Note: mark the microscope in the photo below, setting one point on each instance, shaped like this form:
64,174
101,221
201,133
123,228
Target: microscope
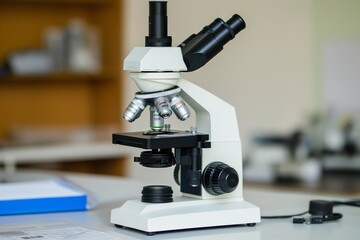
207,158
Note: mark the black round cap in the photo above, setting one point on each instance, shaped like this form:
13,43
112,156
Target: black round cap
157,194
321,207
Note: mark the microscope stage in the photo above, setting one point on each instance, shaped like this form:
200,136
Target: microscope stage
162,140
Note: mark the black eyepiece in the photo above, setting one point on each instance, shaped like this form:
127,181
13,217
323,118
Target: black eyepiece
200,48
236,23
158,26
212,27
215,25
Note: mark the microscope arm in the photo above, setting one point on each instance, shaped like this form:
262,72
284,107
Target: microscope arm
218,119
213,115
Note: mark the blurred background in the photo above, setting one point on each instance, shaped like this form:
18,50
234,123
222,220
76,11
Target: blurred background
293,76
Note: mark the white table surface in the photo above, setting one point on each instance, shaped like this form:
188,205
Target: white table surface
114,191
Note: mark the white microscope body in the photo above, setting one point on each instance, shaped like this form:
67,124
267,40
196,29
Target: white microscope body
218,198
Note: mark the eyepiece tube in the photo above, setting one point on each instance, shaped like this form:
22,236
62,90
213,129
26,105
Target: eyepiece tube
158,25
228,30
236,23
212,27
216,24
200,48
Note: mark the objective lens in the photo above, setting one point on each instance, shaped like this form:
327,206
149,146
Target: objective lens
180,109
156,122
134,110
162,106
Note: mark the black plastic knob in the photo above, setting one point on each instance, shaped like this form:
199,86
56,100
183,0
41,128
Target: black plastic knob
320,207
220,178
157,194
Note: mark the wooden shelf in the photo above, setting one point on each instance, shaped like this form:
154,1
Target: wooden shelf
57,77
70,2
62,98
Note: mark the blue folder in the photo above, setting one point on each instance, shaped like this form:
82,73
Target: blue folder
40,197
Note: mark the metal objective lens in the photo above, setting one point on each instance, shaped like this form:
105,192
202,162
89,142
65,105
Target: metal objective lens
134,110
156,121
180,109
163,107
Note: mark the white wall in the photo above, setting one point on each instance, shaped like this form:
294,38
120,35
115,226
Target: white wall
265,72
336,35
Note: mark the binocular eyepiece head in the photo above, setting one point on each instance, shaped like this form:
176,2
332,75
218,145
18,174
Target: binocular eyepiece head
200,48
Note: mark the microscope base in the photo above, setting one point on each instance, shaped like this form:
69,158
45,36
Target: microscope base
185,213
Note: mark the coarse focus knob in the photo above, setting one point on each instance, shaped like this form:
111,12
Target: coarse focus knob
220,178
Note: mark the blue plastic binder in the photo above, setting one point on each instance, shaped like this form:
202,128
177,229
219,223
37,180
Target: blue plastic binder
40,197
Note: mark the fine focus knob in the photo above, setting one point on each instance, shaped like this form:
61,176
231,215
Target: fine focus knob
220,178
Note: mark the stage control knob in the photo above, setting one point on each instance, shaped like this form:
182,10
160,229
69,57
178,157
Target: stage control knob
220,178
